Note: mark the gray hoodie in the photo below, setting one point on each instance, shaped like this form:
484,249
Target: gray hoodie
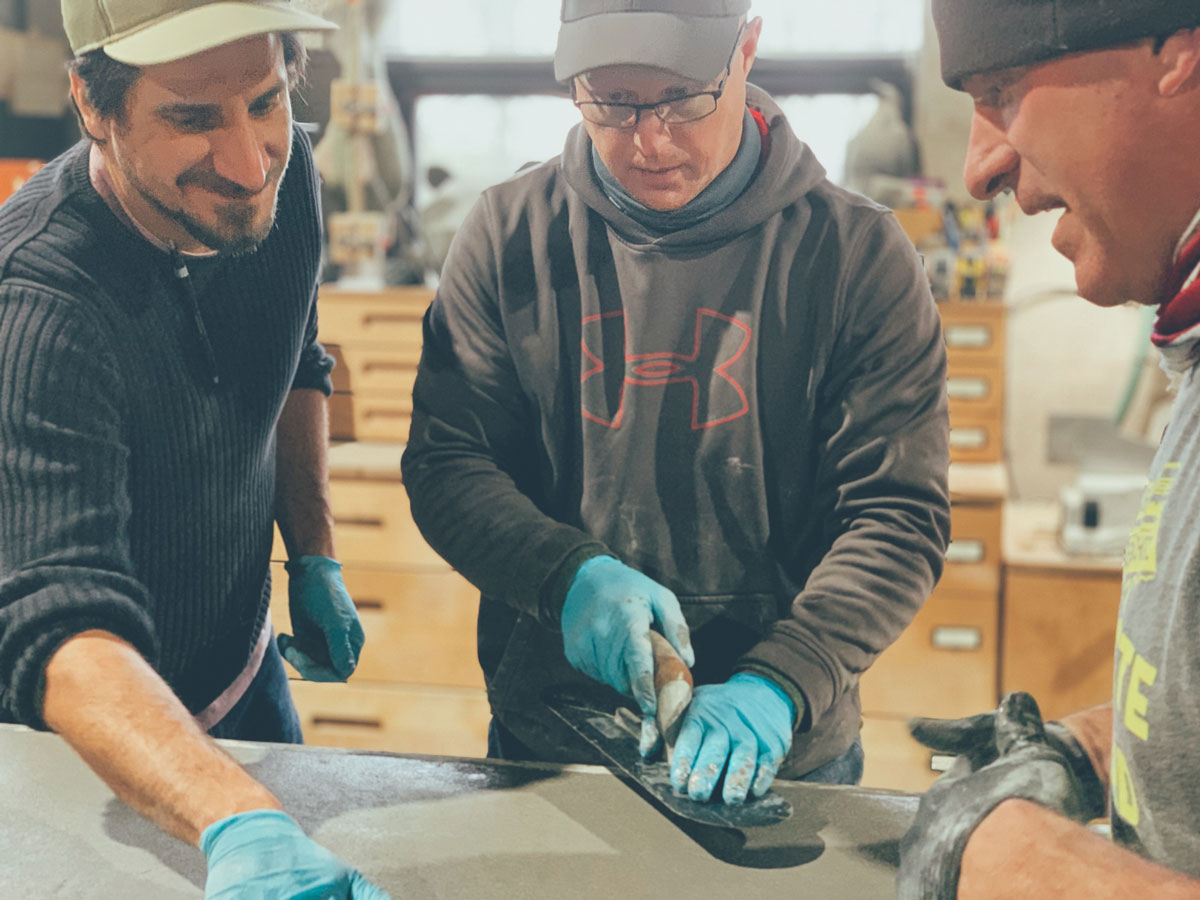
751,411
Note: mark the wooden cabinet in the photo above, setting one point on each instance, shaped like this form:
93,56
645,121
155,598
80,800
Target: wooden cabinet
397,717
945,663
376,339
1060,616
974,333
418,687
894,760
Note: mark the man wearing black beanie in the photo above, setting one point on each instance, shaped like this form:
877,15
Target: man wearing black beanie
1091,108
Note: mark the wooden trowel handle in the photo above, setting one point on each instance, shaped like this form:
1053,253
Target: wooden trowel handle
668,666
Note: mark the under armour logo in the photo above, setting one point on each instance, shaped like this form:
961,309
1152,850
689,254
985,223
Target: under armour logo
717,396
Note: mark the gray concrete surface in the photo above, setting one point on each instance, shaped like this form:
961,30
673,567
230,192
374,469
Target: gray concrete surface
426,827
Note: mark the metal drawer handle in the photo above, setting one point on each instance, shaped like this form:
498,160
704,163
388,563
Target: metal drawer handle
387,366
965,550
964,387
386,414
968,337
939,762
956,637
388,318
968,438
368,604
346,722
363,522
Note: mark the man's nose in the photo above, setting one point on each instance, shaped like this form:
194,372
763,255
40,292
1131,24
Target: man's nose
240,155
651,134
992,163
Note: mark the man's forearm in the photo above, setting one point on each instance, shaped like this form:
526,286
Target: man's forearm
107,702
1024,850
302,476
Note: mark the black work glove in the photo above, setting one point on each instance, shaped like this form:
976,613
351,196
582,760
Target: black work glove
1004,754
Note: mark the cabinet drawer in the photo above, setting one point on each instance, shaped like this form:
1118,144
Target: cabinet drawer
372,525
375,370
401,719
1060,636
364,417
973,331
973,557
975,389
894,760
389,317
975,437
944,664
419,625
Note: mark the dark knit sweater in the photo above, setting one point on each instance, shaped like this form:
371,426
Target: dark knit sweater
137,491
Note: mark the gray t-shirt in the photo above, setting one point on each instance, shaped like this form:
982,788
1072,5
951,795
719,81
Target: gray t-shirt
1156,678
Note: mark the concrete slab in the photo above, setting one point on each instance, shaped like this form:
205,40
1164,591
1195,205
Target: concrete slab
431,828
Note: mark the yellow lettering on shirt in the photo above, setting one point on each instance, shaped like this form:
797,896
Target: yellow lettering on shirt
1125,659
1141,553
1135,701
1124,797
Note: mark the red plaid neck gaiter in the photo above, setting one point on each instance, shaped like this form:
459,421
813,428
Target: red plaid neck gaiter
1181,312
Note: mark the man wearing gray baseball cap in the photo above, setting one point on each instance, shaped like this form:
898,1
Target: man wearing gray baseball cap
675,379
1091,110
162,402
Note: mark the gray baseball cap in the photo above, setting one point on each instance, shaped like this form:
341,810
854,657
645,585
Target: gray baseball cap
147,32
984,35
692,38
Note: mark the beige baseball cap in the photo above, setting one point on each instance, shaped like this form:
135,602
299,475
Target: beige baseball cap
148,32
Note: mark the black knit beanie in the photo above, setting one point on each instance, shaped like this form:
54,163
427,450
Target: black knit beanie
982,35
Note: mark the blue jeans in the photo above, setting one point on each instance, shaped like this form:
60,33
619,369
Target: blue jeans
844,769
265,712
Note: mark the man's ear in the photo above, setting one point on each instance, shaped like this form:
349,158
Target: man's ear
749,47
1180,55
92,123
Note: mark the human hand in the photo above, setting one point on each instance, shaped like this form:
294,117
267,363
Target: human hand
742,727
606,621
265,855
328,635
976,739
1005,754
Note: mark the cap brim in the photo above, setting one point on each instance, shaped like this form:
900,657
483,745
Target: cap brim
209,26
696,47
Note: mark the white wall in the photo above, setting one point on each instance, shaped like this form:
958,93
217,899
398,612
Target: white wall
1063,354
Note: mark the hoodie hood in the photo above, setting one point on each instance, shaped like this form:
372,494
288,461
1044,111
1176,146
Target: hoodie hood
788,172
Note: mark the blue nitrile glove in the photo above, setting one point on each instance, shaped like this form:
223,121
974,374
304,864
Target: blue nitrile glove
1008,753
606,630
265,855
328,634
743,725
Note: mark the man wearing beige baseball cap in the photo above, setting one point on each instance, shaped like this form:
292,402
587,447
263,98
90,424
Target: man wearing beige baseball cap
162,403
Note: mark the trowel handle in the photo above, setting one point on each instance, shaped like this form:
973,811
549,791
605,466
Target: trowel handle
668,666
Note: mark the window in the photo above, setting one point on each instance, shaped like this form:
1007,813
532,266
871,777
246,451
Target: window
474,79
529,27
480,140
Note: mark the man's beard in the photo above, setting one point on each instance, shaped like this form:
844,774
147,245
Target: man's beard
235,232
238,235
